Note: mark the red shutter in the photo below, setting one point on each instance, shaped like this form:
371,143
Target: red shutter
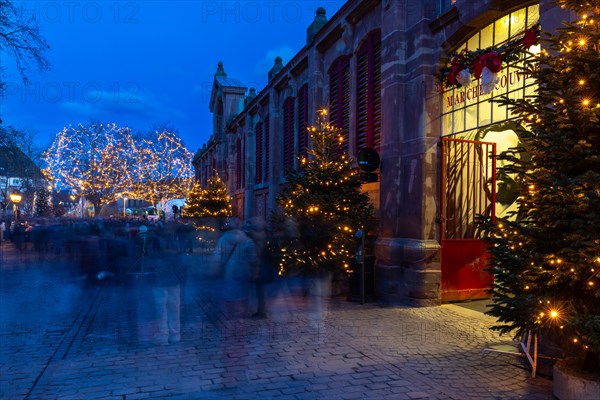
302,120
259,152
267,142
375,73
362,97
339,97
368,99
243,155
214,164
238,164
345,123
288,134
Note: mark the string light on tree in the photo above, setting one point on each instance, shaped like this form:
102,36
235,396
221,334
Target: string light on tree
542,255
323,201
211,201
104,162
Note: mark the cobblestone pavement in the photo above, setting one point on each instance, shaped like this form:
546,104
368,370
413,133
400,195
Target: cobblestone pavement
63,339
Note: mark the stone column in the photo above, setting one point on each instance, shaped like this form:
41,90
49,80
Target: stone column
407,249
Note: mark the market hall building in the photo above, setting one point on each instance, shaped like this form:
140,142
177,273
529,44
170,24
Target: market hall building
373,65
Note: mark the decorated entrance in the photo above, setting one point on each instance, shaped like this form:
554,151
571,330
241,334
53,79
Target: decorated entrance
474,130
468,189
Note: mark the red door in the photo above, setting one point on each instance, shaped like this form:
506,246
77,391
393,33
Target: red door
468,189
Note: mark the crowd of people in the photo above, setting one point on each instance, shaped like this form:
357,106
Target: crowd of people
238,257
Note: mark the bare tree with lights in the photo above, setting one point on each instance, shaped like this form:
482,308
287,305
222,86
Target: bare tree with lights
161,167
94,161
546,259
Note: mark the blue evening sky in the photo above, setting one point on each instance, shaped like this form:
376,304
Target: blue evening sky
142,63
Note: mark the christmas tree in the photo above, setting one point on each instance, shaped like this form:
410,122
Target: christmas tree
43,207
212,201
546,257
323,203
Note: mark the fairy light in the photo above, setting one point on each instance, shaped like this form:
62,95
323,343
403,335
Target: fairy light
83,158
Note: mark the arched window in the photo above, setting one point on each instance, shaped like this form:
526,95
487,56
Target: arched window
469,119
368,96
302,120
339,97
467,109
288,134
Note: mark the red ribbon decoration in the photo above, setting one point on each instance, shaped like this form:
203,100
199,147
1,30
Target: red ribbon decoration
492,60
531,37
455,67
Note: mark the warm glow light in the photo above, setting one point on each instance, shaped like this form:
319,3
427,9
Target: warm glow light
553,313
586,102
15,197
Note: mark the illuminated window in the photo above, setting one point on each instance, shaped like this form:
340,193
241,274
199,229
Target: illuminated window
470,116
466,108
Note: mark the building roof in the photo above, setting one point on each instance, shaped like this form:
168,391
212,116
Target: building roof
14,163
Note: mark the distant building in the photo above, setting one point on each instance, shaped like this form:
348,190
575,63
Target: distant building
373,65
18,173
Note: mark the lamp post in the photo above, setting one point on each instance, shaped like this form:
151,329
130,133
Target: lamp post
124,204
15,197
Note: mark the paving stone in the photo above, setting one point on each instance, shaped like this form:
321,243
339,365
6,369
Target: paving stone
361,351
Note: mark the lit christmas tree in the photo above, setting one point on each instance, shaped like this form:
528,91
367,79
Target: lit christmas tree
324,201
43,208
213,201
546,257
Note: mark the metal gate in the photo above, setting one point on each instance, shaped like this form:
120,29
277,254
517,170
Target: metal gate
468,189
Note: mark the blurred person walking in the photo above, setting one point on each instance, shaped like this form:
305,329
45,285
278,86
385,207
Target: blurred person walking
170,275
262,269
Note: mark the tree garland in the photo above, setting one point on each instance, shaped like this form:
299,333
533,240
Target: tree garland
485,64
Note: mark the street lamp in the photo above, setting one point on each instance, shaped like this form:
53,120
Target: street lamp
15,197
124,203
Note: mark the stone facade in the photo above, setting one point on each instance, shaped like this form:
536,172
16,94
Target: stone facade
412,39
